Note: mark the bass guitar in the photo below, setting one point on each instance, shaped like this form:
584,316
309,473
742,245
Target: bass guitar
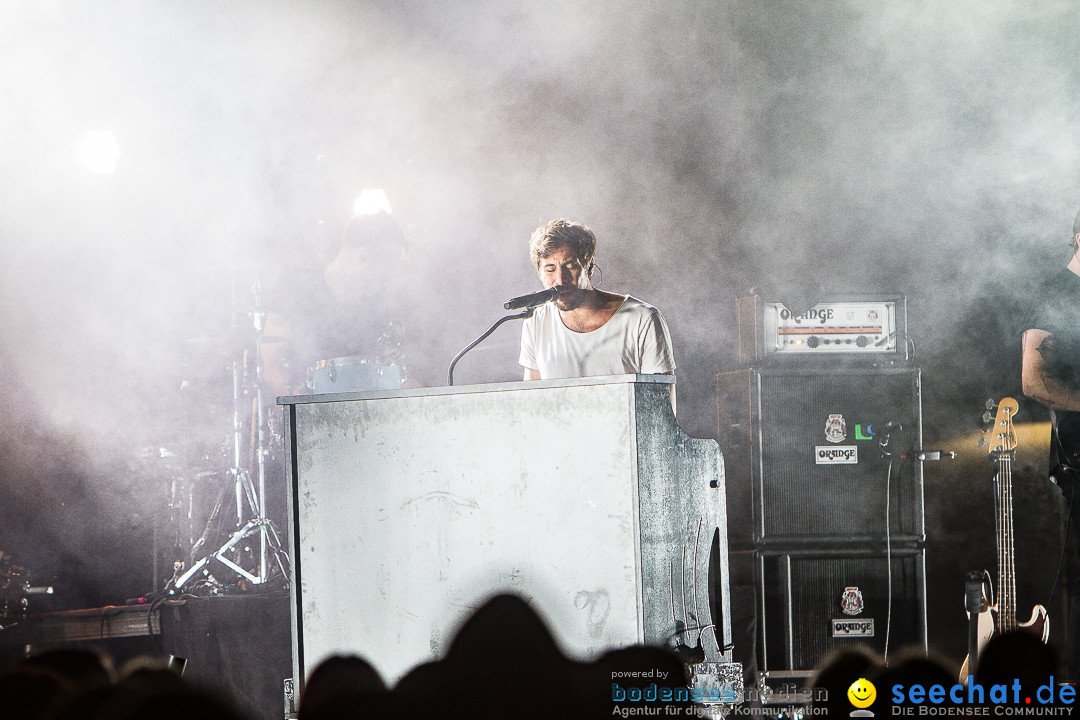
1000,617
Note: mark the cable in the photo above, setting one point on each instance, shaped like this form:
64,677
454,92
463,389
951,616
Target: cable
1065,536
1071,473
888,556
884,443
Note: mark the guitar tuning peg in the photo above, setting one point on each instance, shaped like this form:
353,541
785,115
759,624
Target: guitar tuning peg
987,417
982,441
990,404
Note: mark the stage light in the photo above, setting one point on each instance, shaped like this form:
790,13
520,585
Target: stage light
99,152
370,202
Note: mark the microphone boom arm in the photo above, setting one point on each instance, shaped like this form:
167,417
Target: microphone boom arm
526,313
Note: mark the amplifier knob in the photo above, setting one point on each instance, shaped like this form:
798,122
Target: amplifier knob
812,341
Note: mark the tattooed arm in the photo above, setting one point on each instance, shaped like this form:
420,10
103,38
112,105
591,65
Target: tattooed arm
1039,382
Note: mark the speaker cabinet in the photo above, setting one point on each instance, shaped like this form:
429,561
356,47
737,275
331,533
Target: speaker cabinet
816,602
817,458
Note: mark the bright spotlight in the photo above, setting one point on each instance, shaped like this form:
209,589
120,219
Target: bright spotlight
99,152
371,202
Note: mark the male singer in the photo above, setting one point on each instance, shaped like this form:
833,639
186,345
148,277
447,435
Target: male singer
585,331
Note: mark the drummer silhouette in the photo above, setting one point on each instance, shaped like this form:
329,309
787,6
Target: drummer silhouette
343,334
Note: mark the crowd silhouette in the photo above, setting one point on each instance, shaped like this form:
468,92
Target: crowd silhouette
503,662
1014,669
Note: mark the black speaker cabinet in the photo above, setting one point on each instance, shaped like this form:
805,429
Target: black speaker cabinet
817,458
815,602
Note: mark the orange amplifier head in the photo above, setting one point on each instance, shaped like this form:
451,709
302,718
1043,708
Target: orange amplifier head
873,330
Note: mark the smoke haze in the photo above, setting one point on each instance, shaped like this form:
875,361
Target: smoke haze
798,149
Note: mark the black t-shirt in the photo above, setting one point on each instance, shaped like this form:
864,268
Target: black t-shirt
1055,308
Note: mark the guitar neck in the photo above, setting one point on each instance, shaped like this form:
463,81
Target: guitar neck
1006,600
1002,450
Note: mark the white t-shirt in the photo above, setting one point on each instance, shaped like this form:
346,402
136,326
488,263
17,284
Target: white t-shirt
634,340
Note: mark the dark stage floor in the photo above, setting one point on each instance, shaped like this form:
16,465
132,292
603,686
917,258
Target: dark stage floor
236,646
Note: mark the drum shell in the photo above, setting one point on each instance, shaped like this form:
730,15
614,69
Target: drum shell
354,374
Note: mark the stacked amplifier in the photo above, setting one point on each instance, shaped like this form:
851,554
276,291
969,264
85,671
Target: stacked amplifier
819,431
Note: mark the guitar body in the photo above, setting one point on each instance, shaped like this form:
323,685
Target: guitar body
1038,625
989,627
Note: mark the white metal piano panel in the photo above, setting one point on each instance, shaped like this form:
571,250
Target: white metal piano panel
409,509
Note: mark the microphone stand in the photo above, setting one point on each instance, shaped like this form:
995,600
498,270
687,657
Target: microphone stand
526,313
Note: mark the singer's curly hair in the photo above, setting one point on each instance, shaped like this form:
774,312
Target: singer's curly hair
558,233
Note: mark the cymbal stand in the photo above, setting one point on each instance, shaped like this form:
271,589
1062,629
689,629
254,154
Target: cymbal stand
260,524
239,476
267,534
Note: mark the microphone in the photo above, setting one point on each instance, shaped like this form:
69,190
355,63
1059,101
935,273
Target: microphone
532,300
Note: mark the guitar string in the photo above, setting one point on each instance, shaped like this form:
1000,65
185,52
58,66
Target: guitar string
1001,590
1007,600
1004,500
1010,548
1006,589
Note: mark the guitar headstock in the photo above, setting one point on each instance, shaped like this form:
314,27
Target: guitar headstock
1000,436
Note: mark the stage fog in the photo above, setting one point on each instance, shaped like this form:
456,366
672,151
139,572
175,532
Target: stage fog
800,151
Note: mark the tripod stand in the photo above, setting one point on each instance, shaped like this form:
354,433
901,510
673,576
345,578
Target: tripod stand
250,497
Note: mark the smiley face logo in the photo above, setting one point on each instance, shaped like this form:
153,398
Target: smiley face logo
862,693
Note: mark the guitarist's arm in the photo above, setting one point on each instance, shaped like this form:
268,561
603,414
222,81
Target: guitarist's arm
1038,381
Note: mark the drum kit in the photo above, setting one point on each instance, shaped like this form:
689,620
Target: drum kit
15,591
232,542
